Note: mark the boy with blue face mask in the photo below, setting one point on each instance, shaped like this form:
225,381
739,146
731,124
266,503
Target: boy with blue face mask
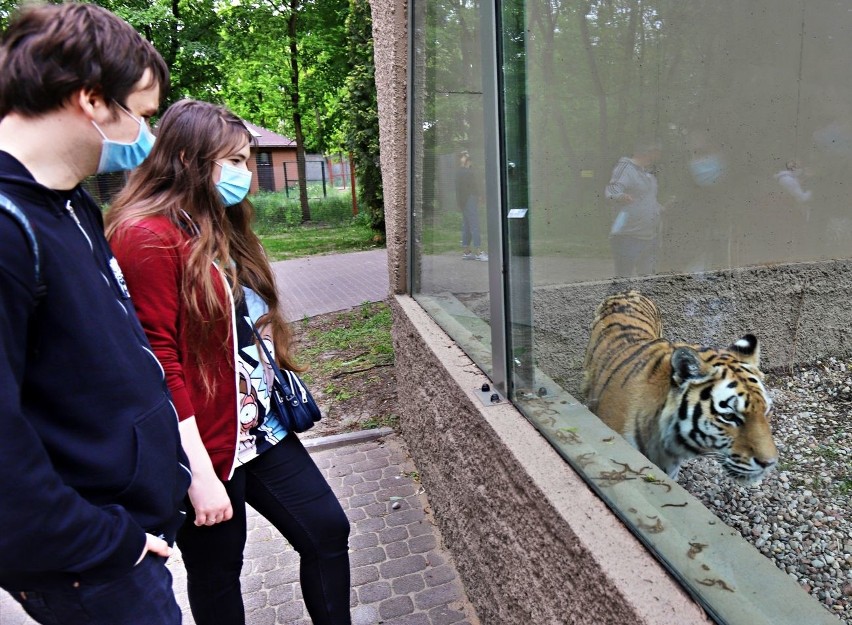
91,496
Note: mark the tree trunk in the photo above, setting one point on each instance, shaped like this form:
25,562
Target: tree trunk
603,131
297,116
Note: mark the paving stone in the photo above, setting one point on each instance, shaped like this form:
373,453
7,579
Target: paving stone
374,592
356,514
353,479
445,615
253,601
263,564
370,525
393,534
408,584
280,576
288,558
365,487
376,509
264,616
371,555
364,575
397,550
365,615
431,597
405,517
437,575
373,475
417,618
422,544
363,541
281,594
402,566
361,501
289,612
396,606
251,583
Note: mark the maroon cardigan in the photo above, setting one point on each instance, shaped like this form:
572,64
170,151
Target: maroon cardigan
153,254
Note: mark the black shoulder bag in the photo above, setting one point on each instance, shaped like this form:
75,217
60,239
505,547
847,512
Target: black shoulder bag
291,399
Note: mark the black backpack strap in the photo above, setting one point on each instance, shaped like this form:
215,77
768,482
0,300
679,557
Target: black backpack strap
17,215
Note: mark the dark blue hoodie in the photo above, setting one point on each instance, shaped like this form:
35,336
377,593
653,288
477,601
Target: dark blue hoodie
89,445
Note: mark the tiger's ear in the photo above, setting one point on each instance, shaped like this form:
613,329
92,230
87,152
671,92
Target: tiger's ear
687,366
748,349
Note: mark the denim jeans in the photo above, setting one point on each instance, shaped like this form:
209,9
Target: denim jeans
285,486
633,257
470,224
143,596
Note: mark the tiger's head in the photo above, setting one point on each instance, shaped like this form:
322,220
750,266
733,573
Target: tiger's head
719,406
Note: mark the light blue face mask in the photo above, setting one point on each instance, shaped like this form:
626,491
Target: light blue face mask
117,156
234,184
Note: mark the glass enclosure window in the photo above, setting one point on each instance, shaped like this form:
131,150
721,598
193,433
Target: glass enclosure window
450,233
698,152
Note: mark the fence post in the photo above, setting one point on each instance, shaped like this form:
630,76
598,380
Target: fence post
322,169
286,181
352,180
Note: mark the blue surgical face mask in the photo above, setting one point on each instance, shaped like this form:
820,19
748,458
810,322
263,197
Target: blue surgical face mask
234,184
117,156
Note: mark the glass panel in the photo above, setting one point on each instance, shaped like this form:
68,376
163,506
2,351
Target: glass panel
698,152
449,229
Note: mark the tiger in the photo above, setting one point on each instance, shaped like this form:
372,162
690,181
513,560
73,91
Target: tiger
674,401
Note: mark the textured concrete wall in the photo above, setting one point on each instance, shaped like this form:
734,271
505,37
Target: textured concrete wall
799,312
391,58
532,543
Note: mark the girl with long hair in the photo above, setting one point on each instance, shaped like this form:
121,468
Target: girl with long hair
199,278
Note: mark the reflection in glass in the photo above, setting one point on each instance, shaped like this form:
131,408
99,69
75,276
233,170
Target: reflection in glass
450,265
699,151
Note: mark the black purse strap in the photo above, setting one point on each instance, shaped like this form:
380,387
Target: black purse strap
269,357
286,388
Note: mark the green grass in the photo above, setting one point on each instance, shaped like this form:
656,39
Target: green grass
275,212
309,239
386,421
332,228
363,339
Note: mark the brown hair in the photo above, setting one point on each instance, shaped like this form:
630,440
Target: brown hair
177,180
50,51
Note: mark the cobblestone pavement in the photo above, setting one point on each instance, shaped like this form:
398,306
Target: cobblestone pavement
401,574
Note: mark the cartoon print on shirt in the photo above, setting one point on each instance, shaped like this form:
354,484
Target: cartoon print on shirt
249,414
259,427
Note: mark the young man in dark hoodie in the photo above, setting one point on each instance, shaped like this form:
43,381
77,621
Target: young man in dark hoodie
93,472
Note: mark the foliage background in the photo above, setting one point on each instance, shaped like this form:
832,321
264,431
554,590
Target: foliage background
285,65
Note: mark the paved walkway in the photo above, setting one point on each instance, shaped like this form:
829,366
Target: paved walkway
321,284
401,573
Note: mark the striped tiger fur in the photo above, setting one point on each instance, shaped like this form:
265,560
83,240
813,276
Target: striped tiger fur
674,401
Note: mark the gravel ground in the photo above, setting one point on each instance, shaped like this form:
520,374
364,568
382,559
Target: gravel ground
800,516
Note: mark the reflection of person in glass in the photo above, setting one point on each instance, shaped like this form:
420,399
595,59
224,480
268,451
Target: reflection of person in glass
467,196
634,232
795,202
790,180
706,201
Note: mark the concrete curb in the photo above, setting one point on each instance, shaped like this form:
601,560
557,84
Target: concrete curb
324,443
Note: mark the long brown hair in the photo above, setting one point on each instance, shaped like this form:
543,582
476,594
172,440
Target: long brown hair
177,180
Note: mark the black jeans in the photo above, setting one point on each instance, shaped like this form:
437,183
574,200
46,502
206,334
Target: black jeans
284,485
